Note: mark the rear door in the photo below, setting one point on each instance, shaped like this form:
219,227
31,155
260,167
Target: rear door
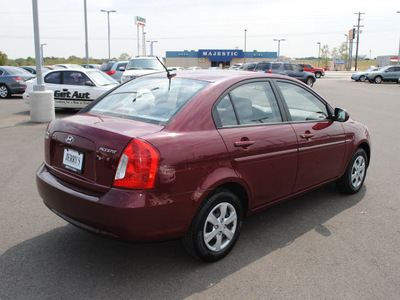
321,140
262,147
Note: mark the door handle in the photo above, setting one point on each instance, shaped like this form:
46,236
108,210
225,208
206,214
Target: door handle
243,143
306,135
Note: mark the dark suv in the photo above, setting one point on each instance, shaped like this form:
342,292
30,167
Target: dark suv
257,67
293,70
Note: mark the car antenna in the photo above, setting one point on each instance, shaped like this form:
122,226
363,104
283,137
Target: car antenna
169,75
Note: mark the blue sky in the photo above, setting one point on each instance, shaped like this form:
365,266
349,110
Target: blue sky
192,25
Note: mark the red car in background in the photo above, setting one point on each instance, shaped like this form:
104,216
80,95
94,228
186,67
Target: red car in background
190,156
318,72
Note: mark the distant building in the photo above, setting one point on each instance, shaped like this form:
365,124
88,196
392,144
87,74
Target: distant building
205,58
386,60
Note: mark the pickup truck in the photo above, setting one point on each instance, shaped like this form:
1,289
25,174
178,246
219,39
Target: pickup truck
309,68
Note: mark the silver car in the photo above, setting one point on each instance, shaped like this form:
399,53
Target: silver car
388,73
12,80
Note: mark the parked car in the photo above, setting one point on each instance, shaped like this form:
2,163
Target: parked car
189,156
73,88
318,72
293,70
234,66
92,66
176,68
12,80
32,69
362,76
114,68
140,66
388,73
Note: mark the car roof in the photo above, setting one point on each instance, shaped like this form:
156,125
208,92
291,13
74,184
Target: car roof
220,75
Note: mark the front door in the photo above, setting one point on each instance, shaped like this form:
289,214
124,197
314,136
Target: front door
321,140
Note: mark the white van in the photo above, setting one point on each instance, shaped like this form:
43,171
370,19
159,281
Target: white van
139,66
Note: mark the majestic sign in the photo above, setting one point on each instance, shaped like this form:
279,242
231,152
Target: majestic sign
220,55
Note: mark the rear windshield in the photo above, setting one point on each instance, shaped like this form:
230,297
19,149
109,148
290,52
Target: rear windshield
144,64
106,66
152,100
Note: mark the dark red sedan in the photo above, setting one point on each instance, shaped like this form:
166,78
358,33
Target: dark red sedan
190,156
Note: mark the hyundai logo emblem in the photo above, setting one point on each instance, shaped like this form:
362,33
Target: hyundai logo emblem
69,139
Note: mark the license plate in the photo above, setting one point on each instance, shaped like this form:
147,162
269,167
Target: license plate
73,160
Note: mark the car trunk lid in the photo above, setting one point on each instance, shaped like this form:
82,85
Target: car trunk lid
84,149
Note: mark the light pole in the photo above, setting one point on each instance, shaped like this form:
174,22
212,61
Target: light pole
319,52
245,40
279,45
108,22
347,62
398,54
41,53
151,46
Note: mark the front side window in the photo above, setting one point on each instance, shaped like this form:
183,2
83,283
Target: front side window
297,68
303,105
249,104
287,67
54,78
152,100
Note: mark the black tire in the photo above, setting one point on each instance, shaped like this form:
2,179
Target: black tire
310,81
318,74
362,78
4,91
378,79
353,179
222,232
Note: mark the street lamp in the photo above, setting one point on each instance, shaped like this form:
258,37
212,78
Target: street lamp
279,45
319,52
245,38
41,53
108,22
151,46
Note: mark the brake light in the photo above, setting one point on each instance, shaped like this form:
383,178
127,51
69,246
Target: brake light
137,166
270,71
110,72
18,79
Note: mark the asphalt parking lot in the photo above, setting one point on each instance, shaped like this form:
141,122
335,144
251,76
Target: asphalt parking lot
324,245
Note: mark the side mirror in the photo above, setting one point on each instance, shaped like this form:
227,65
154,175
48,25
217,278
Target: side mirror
341,115
89,83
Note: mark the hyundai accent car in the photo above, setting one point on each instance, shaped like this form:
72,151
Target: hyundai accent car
73,88
190,156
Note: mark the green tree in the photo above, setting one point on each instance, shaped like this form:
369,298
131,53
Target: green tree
325,55
124,56
3,59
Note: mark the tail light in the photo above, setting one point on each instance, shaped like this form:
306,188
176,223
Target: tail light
18,79
110,72
137,166
270,71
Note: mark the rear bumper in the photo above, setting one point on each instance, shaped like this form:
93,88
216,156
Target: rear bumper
132,215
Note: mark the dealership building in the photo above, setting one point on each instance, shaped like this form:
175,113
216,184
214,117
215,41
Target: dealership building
205,58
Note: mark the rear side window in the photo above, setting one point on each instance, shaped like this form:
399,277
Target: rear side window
121,65
54,77
276,66
249,104
152,100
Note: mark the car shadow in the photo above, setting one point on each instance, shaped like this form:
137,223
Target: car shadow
69,263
